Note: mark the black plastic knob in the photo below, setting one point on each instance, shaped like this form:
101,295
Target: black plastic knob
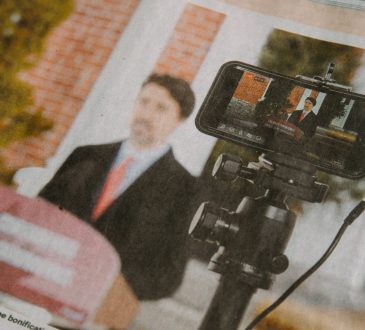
204,221
227,167
279,264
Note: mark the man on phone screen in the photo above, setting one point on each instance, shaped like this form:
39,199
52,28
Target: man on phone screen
305,119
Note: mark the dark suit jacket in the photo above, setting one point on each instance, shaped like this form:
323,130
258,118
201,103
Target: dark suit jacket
307,125
148,224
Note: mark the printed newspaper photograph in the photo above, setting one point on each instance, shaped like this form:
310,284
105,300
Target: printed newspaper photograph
181,165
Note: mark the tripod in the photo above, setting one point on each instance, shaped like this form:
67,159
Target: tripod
253,238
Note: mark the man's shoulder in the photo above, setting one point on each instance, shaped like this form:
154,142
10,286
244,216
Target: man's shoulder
295,114
98,147
174,164
95,153
311,117
98,150
176,172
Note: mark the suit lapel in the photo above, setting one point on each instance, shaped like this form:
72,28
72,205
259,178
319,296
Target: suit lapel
145,185
294,118
143,192
146,179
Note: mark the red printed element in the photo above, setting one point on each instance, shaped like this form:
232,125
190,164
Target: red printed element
51,259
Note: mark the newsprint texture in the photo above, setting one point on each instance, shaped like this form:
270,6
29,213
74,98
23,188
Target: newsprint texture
114,118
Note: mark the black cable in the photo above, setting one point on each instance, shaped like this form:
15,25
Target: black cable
355,213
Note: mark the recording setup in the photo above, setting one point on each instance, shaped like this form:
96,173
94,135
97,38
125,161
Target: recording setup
300,125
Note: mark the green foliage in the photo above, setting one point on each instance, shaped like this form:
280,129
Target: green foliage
275,102
291,54
24,27
16,122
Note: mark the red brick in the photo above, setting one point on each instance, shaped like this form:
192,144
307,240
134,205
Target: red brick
190,41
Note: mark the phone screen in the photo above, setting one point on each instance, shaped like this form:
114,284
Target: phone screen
272,112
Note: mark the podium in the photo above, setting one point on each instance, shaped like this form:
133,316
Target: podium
53,260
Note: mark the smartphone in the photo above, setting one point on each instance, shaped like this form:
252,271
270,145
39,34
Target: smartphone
311,119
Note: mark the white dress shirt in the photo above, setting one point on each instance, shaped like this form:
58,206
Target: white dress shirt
142,160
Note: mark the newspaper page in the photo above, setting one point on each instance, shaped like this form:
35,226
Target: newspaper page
113,118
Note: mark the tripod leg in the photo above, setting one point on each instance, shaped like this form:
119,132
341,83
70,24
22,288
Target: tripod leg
228,305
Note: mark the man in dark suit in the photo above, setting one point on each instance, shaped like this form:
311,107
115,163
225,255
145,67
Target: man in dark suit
305,119
135,192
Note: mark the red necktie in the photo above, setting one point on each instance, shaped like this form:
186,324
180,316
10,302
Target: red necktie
301,116
111,185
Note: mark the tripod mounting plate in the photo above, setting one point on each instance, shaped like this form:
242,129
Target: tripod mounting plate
275,171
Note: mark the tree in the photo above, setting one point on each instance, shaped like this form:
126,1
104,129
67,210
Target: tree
292,54
23,31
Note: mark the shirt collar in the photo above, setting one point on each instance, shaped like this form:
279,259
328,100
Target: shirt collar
127,150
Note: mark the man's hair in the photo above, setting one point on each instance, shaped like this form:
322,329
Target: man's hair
178,88
312,100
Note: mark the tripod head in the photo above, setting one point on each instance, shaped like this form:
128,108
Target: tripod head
252,239
280,174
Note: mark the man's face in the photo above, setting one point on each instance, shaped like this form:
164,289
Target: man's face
155,116
308,105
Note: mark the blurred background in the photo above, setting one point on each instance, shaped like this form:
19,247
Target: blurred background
71,69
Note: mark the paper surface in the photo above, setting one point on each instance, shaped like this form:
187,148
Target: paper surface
51,259
46,256
12,320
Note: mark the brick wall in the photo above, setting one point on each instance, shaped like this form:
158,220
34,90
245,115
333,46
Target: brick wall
75,54
296,95
251,87
190,42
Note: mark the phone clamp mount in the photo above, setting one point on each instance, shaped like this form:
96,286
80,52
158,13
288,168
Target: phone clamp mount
253,238
327,80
